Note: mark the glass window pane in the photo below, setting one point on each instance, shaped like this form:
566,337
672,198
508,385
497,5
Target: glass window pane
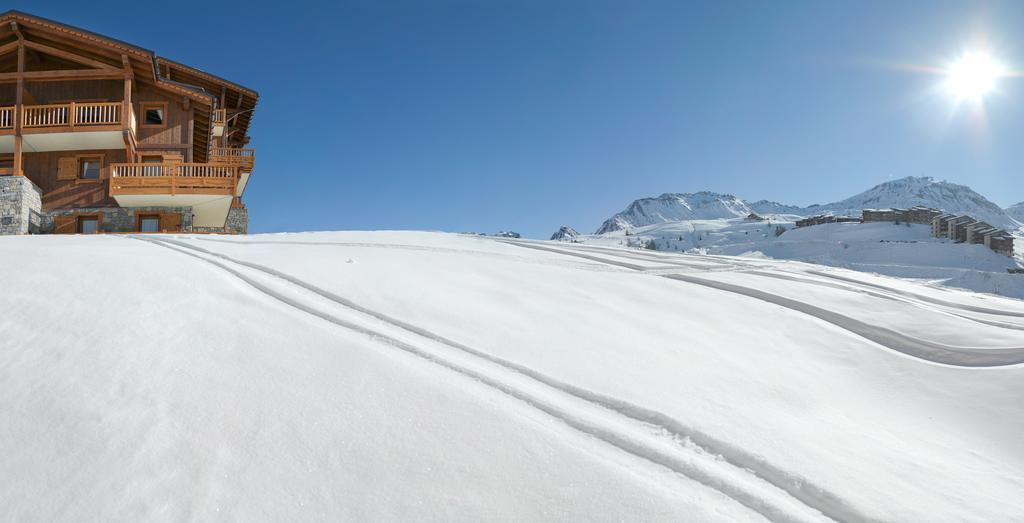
149,224
90,169
154,116
88,225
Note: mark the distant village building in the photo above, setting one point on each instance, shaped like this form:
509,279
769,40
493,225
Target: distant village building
966,229
922,215
940,224
1000,241
878,215
975,232
825,218
958,228
918,214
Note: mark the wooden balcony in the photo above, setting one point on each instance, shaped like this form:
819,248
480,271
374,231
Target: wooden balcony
173,179
71,116
245,159
66,127
207,188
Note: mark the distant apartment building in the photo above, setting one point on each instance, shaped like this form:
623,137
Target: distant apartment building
963,228
940,224
956,224
975,232
922,215
1000,241
825,218
918,214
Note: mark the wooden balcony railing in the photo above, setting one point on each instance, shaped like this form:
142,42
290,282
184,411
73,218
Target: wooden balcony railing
172,178
219,117
244,158
71,114
7,117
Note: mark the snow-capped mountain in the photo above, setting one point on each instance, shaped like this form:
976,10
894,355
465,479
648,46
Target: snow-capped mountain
565,234
910,191
904,192
674,207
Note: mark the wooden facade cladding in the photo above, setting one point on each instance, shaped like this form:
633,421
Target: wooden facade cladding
67,94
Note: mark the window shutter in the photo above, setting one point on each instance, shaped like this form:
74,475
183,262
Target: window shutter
65,225
170,222
67,168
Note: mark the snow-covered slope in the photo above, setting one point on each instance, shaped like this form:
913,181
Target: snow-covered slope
1016,212
904,193
397,376
897,250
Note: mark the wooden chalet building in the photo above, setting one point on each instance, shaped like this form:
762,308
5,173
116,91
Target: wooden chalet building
98,135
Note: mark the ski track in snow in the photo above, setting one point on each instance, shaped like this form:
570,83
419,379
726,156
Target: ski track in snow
854,285
884,296
893,340
653,436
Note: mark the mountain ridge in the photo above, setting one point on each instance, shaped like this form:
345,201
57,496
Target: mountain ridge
903,192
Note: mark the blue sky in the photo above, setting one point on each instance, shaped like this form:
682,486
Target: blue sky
524,115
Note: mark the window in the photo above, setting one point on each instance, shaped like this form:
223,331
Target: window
149,223
88,225
89,167
154,114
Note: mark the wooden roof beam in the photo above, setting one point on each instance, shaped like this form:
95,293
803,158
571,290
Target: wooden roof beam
9,47
69,56
70,74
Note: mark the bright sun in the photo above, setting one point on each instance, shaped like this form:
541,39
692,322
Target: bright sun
973,76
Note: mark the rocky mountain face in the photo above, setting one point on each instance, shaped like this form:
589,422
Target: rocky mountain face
565,234
904,192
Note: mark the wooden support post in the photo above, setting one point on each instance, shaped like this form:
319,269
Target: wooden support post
18,110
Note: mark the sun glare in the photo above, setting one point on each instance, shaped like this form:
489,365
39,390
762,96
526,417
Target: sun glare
973,76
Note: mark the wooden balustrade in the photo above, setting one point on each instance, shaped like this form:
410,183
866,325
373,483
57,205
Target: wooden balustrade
244,158
219,117
71,114
172,178
7,117
97,113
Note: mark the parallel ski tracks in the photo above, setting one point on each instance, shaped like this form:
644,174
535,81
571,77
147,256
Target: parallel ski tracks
645,433
922,349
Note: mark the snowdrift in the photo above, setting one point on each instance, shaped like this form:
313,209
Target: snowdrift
399,375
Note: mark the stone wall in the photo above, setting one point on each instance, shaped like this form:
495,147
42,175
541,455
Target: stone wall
238,221
119,219
20,205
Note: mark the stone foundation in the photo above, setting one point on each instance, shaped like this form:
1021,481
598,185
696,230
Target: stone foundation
118,219
20,205
238,221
